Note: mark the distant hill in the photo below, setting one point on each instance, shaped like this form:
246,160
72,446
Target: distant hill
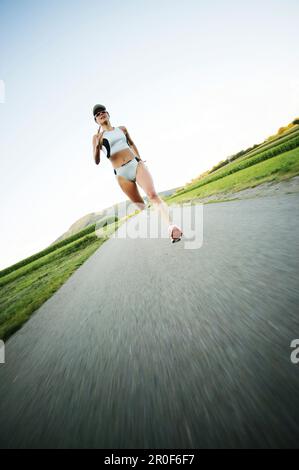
120,209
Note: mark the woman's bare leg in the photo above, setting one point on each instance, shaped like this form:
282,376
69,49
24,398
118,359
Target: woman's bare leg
131,190
145,180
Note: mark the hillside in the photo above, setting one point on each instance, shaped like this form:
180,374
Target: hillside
120,209
273,160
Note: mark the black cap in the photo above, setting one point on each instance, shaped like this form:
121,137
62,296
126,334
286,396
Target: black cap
97,108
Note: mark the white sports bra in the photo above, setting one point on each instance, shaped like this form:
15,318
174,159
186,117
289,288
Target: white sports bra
114,141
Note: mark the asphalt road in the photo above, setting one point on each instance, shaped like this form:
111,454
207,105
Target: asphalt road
151,345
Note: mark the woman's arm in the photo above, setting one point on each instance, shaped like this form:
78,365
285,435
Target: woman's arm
96,145
130,141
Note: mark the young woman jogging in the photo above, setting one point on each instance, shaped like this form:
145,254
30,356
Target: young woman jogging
128,167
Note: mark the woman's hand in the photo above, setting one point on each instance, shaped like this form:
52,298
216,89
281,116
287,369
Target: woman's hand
98,138
97,145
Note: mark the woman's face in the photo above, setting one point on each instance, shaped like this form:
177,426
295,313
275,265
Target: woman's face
102,117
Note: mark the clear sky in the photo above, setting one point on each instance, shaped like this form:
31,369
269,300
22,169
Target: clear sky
194,81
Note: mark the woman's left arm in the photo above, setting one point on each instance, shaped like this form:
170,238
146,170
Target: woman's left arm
130,142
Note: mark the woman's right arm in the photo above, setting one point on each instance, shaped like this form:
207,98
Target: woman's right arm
96,144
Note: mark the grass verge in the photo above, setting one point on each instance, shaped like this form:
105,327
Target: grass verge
281,167
26,288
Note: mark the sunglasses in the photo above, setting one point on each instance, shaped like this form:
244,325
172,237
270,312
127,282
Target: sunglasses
100,112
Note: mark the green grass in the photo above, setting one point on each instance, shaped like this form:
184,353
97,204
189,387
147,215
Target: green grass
283,166
238,165
282,142
26,288
62,243
279,139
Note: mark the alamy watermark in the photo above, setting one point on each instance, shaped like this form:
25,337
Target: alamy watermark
2,352
2,91
152,223
295,353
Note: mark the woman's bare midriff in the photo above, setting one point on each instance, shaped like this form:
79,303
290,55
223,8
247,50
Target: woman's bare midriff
121,157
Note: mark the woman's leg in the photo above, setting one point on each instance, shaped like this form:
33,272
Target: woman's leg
145,180
131,190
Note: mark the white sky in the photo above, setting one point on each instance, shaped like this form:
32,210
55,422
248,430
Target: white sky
193,81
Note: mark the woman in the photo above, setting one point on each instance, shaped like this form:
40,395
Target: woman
129,169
